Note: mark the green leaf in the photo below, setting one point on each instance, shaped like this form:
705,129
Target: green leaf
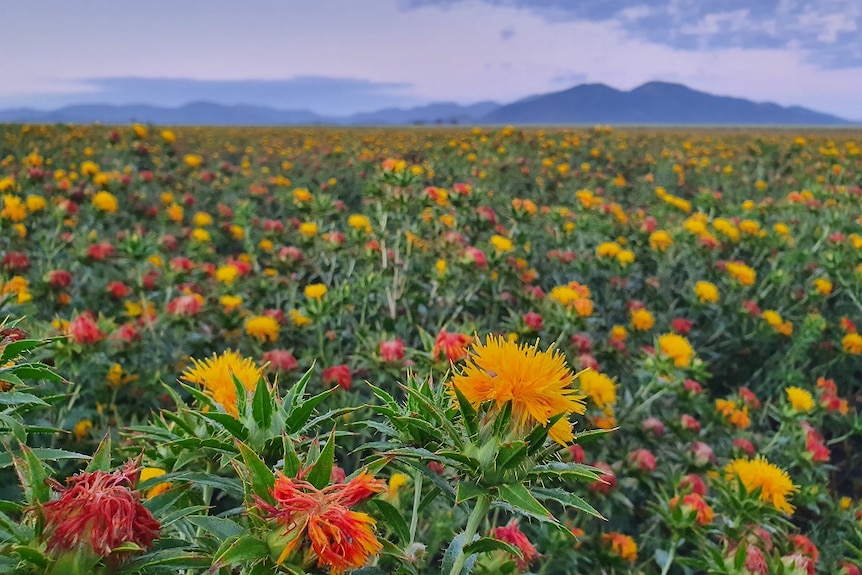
32,475
511,455
468,414
298,417
520,498
176,558
101,460
567,499
19,398
468,490
36,371
536,438
487,544
291,459
297,392
452,552
226,484
262,405
241,394
321,471
394,520
564,470
261,476
44,454
221,527
592,435
17,348
231,424
238,550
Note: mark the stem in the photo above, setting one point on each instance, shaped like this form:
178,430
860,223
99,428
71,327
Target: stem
483,504
670,556
417,498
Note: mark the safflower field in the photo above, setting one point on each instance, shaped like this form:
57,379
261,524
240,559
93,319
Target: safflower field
424,351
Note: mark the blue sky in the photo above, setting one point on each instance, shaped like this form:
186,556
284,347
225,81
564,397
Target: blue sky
343,56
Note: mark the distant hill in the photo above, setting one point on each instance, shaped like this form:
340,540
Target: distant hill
208,113
652,103
446,113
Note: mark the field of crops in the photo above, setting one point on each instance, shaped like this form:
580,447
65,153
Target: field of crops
430,351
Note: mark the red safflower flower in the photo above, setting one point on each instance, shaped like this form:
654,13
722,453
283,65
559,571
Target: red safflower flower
693,387
391,351
653,426
681,326
338,374
749,398
694,502
451,346
100,251
59,279
607,479
745,445
690,423
280,360
16,262
118,290
99,511
643,460
476,256
533,321
693,483
513,535
814,445
341,539
84,330
185,305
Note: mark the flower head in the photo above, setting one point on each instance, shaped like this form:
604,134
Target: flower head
513,535
800,399
262,328
216,375
677,348
773,482
536,382
99,511
341,539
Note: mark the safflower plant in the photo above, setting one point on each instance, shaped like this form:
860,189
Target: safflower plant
267,338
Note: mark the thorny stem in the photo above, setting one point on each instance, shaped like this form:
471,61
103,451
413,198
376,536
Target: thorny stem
417,498
483,504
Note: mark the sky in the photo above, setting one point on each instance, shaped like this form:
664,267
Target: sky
338,57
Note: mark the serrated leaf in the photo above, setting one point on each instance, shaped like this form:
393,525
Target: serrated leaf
298,417
262,405
240,549
231,424
44,454
452,552
221,527
101,460
488,544
467,490
17,348
566,499
394,520
321,470
176,558
20,398
511,455
566,470
32,475
468,414
36,371
520,498
261,476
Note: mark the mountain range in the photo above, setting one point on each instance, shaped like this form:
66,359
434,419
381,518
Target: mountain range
654,103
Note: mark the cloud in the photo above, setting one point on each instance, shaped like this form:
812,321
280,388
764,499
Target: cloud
322,94
829,31
507,33
569,79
